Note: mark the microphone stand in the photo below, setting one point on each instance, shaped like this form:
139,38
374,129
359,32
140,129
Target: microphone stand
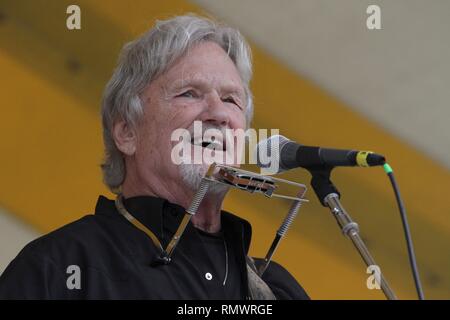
329,197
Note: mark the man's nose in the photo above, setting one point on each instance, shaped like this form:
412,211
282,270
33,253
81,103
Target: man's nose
216,111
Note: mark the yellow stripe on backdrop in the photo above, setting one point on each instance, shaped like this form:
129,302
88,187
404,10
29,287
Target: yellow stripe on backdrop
52,149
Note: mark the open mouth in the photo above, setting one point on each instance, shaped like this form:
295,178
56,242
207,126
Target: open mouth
209,143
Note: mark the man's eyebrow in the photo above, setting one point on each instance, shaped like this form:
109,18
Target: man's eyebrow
187,82
229,88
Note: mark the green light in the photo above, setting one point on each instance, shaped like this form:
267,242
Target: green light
387,168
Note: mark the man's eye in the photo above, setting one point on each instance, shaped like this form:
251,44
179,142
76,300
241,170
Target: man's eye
230,100
188,94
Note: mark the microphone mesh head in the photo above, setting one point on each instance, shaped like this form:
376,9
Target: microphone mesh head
268,154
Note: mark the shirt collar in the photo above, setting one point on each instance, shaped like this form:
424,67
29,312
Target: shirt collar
163,218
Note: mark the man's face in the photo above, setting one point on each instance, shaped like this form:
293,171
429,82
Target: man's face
203,85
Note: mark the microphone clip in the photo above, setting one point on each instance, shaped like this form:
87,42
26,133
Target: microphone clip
321,183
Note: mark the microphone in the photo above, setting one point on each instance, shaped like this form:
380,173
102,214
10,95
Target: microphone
289,154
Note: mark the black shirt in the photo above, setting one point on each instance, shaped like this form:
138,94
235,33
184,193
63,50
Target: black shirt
223,260
104,256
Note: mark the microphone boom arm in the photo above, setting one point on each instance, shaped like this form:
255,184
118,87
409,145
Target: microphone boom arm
329,197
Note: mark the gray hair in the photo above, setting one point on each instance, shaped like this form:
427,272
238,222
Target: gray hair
147,57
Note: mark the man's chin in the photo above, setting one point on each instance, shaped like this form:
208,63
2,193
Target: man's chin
192,175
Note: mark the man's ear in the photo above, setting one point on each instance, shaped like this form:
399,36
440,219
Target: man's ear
124,137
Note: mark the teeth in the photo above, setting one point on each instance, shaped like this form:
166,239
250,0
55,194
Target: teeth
196,141
207,143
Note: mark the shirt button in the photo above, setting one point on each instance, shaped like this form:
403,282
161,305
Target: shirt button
208,276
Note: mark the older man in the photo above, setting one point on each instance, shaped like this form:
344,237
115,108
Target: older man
184,70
